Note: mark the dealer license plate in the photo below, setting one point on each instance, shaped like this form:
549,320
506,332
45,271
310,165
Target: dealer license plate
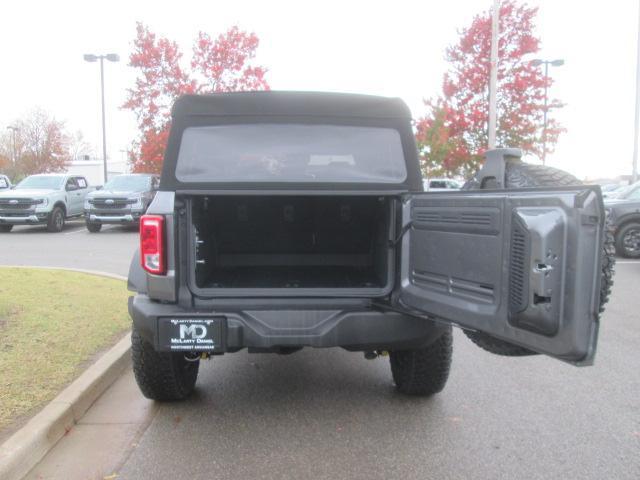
191,334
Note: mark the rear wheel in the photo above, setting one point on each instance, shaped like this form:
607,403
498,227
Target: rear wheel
628,240
55,222
522,175
162,376
94,227
5,228
423,371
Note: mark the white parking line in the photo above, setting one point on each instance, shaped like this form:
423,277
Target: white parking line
81,229
618,262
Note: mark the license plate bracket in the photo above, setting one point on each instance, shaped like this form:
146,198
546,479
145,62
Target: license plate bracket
191,334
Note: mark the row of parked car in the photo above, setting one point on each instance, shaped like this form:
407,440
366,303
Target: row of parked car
52,199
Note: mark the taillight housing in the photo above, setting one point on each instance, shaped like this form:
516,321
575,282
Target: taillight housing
152,248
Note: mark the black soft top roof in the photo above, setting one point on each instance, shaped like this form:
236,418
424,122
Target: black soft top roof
297,107
291,103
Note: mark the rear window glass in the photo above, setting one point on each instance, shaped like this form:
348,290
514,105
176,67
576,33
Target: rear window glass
290,153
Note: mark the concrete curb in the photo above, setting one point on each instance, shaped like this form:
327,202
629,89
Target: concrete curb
25,448
79,270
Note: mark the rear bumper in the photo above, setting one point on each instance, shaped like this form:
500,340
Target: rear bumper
30,219
264,329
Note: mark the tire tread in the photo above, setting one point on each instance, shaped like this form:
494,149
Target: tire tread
423,371
161,376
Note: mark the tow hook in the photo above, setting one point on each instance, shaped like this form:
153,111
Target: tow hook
194,357
372,355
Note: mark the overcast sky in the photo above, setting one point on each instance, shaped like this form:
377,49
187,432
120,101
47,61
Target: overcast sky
393,48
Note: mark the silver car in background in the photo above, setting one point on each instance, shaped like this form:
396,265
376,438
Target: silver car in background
122,200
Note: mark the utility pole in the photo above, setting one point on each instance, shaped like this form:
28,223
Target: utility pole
104,128
112,57
493,80
546,110
636,123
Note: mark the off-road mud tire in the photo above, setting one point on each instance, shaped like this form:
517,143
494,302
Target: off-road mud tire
162,376
423,371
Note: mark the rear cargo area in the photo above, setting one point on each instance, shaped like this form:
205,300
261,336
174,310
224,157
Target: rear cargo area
291,241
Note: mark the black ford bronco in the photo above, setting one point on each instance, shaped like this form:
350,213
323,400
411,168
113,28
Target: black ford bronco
291,220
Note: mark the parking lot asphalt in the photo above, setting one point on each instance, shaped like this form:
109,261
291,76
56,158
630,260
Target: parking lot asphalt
110,250
333,414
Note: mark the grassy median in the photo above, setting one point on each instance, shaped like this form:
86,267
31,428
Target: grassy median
52,323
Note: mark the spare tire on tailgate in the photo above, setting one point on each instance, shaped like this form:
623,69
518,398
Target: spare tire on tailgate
523,175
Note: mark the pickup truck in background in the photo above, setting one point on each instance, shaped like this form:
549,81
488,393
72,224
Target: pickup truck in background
5,183
47,199
122,201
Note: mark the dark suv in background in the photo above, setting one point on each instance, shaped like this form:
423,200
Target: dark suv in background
624,216
122,201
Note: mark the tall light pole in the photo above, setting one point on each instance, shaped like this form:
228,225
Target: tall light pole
493,79
555,63
112,57
636,124
14,130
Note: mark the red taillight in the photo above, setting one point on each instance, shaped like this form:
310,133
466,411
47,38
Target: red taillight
152,244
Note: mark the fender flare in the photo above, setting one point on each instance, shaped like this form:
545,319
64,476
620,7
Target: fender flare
626,218
137,279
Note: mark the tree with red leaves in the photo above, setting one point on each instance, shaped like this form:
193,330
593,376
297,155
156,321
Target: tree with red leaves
42,145
221,65
453,135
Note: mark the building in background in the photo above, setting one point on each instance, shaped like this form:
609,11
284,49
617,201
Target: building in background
92,170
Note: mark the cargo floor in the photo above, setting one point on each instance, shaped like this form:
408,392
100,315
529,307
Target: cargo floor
292,277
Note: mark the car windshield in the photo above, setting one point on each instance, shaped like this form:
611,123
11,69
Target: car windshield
632,193
48,182
128,183
626,192
291,153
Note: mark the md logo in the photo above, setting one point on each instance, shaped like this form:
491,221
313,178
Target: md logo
192,331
